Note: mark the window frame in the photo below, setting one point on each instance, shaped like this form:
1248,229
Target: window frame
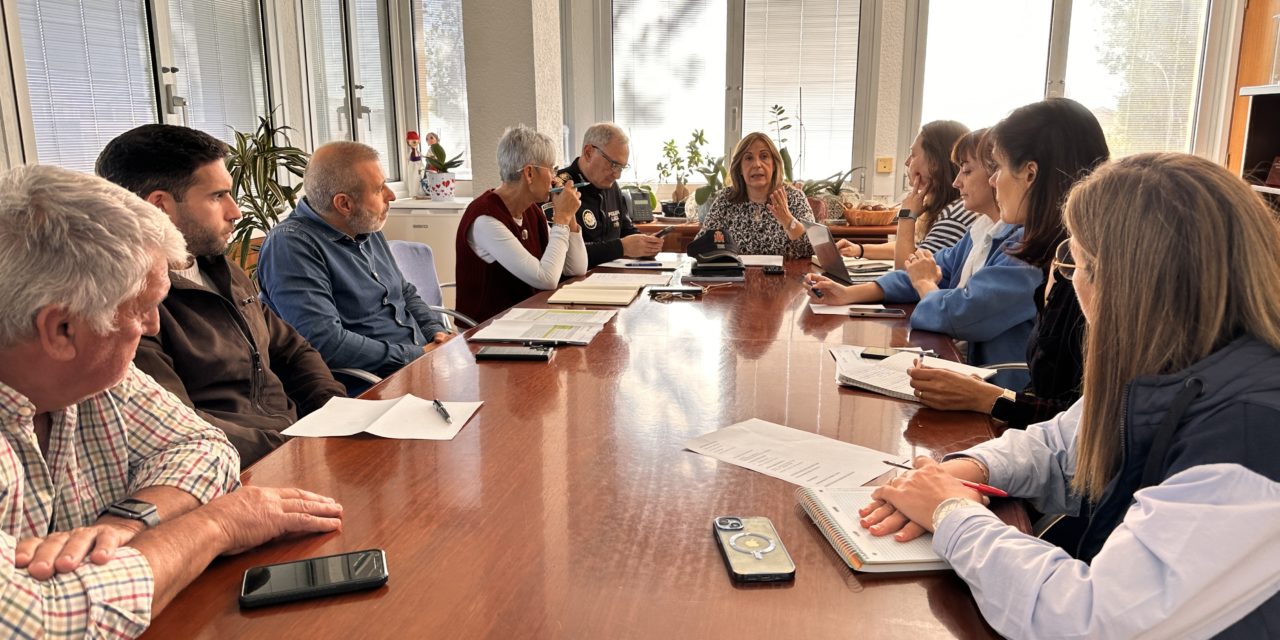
1211,116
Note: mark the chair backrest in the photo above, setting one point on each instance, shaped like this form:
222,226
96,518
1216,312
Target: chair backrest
418,265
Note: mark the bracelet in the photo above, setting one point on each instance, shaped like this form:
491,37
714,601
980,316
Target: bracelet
862,251
986,475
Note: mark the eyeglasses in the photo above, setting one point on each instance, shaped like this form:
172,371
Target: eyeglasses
1062,260
617,167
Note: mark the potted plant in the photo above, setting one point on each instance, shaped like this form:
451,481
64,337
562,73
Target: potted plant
438,180
780,123
255,162
716,175
674,167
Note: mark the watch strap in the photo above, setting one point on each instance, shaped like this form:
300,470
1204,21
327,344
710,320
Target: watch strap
945,508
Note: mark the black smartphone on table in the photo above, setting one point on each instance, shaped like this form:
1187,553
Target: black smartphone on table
540,353
752,550
313,578
877,313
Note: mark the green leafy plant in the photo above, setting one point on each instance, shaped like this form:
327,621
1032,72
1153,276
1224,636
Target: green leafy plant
716,175
436,160
675,166
781,122
257,162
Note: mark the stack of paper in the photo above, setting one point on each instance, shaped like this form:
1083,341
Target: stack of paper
760,261
840,309
889,376
862,265
662,262
545,326
606,288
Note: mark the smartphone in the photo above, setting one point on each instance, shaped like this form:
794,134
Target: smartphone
878,353
877,313
313,578
663,231
773,270
752,550
527,352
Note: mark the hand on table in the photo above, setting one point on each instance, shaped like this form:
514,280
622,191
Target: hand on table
953,391
638,245
849,249
905,505
251,516
832,292
923,272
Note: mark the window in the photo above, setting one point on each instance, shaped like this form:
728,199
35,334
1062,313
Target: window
89,75
1136,64
349,70
668,75
442,77
984,59
217,48
803,56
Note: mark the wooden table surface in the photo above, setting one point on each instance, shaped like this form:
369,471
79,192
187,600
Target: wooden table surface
568,508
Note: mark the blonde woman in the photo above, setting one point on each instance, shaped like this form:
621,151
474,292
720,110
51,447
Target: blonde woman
1172,448
761,213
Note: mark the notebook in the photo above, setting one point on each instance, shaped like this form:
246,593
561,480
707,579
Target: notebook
583,293
835,511
889,376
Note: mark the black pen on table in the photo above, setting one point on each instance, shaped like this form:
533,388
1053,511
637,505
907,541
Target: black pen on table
817,293
444,413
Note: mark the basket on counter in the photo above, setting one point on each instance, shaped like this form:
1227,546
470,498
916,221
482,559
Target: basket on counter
869,217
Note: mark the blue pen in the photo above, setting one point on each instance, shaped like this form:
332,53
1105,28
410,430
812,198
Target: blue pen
644,264
576,185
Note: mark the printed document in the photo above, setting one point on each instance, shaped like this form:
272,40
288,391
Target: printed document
799,457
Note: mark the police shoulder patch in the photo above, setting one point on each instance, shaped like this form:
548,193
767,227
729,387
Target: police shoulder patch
588,219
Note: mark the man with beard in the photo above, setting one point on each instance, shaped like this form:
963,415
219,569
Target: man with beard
219,349
327,269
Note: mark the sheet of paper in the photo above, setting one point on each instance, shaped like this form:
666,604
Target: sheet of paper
850,364
799,457
905,360
622,279
839,309
510,331
760,261
405,418
559,316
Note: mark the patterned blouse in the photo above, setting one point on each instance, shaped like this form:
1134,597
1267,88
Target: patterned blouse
755,230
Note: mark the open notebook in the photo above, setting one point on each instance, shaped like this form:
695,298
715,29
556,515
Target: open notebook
606,288
835,511
889,376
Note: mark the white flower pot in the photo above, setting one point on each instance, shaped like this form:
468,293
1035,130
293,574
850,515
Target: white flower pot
439,186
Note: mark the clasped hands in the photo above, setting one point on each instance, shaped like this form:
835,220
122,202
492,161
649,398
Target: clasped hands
904,506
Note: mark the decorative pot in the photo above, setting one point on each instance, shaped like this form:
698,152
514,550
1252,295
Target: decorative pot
439,186
819,207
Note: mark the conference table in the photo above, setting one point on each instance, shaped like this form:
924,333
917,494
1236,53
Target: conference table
567,507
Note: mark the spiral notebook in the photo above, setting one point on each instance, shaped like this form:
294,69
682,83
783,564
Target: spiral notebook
835,511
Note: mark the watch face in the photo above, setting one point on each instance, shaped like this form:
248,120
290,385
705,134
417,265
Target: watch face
135,506
904,214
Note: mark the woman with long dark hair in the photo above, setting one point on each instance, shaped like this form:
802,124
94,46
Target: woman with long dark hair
1172,448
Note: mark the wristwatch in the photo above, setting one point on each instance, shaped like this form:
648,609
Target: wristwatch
795,224
143,512
1004,403
906,214
947,506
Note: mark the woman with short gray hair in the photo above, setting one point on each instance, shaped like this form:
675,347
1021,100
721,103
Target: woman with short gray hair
506,252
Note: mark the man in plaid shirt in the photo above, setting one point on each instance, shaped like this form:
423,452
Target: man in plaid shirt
113,494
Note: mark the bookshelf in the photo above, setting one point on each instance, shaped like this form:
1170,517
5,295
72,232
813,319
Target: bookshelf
1261,139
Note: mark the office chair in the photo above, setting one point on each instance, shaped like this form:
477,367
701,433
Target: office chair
418,265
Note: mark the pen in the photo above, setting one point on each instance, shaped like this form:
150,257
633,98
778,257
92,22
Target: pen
816,292
576,184
644,264
444,413
984,489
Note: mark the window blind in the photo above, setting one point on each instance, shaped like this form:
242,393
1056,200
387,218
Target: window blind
803,56
88,65
217,47
442,78
668,76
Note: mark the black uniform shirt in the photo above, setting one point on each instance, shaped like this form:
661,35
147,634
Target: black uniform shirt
602,216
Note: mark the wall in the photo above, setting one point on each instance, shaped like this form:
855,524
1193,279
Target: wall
513,75
1257,46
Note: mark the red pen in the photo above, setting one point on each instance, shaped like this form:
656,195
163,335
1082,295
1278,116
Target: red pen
984,489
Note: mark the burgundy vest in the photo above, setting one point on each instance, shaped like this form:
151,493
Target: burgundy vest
487,289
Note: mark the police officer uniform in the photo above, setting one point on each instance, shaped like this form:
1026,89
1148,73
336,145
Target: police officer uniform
602,217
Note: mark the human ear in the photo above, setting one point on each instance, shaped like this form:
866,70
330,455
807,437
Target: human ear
57,332
162,200
1030,169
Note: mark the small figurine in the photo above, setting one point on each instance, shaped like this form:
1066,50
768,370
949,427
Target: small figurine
415,155
432,138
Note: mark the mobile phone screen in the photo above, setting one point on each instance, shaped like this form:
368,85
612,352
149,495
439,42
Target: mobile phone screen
877,313
313,576
663,231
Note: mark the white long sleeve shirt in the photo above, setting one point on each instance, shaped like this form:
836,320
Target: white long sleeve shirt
566,253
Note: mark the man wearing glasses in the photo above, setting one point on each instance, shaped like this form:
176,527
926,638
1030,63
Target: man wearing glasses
606,227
